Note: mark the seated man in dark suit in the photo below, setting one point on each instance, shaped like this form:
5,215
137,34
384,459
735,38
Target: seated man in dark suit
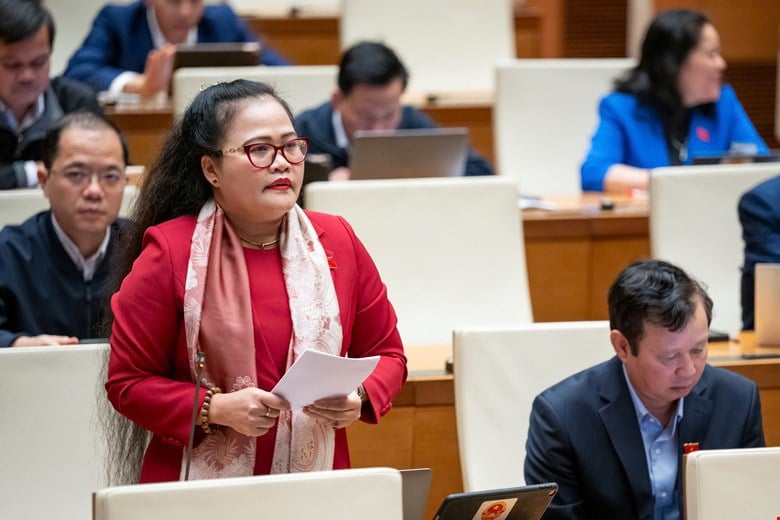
29,103
370,84
54,266
612,436
759,214
130,47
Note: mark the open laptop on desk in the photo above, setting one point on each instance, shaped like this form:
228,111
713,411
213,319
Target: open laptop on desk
767,304
408,154
216,55
516,503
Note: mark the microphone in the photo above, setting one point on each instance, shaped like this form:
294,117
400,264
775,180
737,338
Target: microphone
198,369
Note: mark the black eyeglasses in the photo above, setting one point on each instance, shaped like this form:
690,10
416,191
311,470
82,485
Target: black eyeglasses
263,155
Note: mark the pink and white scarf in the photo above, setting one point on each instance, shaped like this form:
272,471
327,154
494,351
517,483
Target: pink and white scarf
218,322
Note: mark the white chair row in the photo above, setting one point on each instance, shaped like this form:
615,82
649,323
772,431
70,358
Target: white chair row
539,144
16,206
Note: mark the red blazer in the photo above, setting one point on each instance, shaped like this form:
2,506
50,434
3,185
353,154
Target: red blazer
149,379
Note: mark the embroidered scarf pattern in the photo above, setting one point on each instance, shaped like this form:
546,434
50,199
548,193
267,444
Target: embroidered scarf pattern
218,321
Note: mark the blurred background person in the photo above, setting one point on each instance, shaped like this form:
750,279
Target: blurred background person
759,215
222,260
54,266
131,47
371,81
668,109
29,102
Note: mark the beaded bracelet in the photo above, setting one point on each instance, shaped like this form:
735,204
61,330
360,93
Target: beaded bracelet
204,410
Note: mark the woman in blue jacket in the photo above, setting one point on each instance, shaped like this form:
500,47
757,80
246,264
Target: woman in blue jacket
668,109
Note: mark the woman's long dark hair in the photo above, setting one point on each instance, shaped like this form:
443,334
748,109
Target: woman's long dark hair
669,40
173,186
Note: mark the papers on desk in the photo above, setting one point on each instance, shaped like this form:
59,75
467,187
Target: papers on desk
525,202
316,375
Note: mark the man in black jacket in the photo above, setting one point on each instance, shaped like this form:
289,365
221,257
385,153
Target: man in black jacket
29,103
54,266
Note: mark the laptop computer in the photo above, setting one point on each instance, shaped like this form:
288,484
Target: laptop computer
516,503
233,54
767,304
415,484
408,154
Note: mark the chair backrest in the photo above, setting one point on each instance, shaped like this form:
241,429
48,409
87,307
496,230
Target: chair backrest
52,448
694,224
72,26
449,250
728,484
302,86
542,144
447,45
326,495
498,373
18,205
252,7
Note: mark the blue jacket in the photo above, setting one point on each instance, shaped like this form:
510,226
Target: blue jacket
120,40
584,435
759,214
632,133
317,125
41,289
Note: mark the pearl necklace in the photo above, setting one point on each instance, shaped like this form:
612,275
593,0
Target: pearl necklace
261,245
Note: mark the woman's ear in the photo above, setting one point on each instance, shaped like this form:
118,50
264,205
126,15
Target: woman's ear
209,169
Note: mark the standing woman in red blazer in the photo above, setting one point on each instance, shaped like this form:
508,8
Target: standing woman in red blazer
222,261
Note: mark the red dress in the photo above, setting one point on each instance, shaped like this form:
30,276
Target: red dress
149,379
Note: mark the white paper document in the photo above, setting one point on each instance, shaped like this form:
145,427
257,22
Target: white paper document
316,375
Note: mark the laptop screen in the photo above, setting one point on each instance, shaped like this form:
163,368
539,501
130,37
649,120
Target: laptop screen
408,154
216,55
767,304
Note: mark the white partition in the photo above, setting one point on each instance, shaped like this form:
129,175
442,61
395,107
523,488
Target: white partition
450,251
51,443
730,484
325,495
447,45
544,115
694,224
498,373
302,86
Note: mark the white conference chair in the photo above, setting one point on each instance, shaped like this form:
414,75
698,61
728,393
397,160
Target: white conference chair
72,26
449,250
447,45
326,495
729,484
542,143
694,224
18,205
51,445
302,86
498,373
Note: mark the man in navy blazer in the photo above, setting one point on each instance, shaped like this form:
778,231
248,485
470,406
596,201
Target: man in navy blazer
612,436
130,47
759,214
